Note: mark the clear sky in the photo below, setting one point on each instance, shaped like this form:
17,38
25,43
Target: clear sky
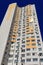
39,8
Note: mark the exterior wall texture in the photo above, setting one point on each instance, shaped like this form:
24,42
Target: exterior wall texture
24,43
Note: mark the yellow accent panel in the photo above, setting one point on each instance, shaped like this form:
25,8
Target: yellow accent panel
13,36
27,27
30,19
30,42
10,9
30,46
34,47
29,32
30,39
15,30
29,10
15,26
27,44
30,27
13,40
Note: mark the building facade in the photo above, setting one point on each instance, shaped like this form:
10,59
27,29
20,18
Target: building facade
24,43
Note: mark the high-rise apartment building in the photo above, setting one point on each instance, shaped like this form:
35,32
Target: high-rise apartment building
20,37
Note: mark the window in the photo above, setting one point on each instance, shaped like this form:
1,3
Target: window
34,49
33,14
18,39
28,60
10,55
40,54
40,49
33,54
32,33
23,29
27,37
16,60
22,64
23,45
2,64
39,44
17,46
23,38
35,59
41,59
23,41
23,60
32,36
18,42
27,31
36,29
23,50
28,44
12,42
9,60
28,54
38,40
27,40
37,36
7,43
23,32
28,49
23,35
23,55
13,38
16,55
36,32
33,40
5,52
33,44
35,24
16,50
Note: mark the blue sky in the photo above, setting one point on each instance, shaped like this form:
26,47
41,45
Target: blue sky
39,8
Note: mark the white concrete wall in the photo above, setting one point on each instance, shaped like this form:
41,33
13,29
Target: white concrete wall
5,28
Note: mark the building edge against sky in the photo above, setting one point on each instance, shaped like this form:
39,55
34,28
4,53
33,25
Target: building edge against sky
5,29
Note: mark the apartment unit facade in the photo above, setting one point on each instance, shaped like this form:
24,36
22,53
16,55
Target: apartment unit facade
23,45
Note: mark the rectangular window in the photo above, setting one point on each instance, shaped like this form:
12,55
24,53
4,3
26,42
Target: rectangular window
33,40
28,60
27,40
33,54
23,41
23,55
18,39
40,49
33,44
40,54
41,59
28,54
37,36
23,60
39,44
23,45
32,36
35,59
38,40
28,49
23,50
